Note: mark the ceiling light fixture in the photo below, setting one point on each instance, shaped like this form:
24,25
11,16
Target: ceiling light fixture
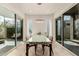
39,3
39,20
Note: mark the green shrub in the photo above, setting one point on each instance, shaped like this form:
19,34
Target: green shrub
10,32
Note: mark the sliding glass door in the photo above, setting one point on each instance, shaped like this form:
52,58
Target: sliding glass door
11,30
58,29
7,30
19,29
67,28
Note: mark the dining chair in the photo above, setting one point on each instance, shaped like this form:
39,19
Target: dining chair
30,45
43,45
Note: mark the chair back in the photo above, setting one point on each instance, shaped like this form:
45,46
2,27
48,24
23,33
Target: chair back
51,38
27,38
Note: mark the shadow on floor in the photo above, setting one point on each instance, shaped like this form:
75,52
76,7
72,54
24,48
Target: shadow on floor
73,48
5,50
39,51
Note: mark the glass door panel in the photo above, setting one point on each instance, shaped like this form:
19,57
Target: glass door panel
58,30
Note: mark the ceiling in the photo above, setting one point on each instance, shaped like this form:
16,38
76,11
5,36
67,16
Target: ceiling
5,12
43,9
73,10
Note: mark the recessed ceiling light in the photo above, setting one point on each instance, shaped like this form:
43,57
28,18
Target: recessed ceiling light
39,3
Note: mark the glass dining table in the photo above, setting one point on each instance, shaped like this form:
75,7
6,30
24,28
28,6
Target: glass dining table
38,39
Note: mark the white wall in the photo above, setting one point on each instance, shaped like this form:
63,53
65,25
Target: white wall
53,22
37,27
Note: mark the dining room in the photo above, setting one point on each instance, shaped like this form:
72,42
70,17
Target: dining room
40,27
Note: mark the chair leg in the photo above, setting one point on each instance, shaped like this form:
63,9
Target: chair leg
43,49
35,49
52,51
